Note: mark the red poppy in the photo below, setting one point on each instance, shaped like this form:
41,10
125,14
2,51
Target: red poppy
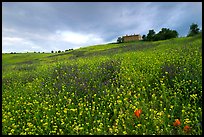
138,113
177,123
186,128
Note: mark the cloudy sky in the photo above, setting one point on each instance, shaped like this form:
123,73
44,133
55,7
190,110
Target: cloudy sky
46,26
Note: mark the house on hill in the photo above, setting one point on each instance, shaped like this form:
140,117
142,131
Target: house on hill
129,38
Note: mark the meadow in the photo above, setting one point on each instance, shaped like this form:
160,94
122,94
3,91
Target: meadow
136,88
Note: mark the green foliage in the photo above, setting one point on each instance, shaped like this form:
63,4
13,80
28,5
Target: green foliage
151,35
96,90
164,34
144,38
194,30
120,40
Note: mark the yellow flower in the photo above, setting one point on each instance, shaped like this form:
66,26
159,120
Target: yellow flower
53,131
119,101
183,111
164,109
12,130
124,132
65,110
30,124
73,110
26,129
98,129
69,100
187,121
139,125
45,124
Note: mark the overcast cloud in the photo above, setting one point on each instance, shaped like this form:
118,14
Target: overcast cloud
46,26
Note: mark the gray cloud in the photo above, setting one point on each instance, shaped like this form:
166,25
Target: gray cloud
47,26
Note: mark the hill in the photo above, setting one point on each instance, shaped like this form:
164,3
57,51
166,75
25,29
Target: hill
127,88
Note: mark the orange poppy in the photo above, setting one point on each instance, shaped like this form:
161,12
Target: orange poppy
186,128
138,112
177,123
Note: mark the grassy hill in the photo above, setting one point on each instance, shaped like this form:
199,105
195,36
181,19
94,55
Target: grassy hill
128,88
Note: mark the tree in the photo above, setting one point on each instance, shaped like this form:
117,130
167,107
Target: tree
119,40
144,37
193,30
150,35
174,34
52,51
59,51
165,33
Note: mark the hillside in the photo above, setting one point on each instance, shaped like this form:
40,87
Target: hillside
99,90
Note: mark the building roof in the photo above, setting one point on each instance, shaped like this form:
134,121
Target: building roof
132,35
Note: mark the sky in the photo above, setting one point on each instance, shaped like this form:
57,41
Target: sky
47,26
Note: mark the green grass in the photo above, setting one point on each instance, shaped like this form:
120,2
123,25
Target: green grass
96,90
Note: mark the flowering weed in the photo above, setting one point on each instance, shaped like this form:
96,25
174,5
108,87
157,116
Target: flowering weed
142,88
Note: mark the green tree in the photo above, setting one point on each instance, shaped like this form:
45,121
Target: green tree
120,40
150,35
144,38
193,30
174,34
166,33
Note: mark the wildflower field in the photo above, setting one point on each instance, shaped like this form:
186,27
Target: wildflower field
136,88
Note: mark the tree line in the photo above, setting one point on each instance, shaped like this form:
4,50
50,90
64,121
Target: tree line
163,34
59,51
